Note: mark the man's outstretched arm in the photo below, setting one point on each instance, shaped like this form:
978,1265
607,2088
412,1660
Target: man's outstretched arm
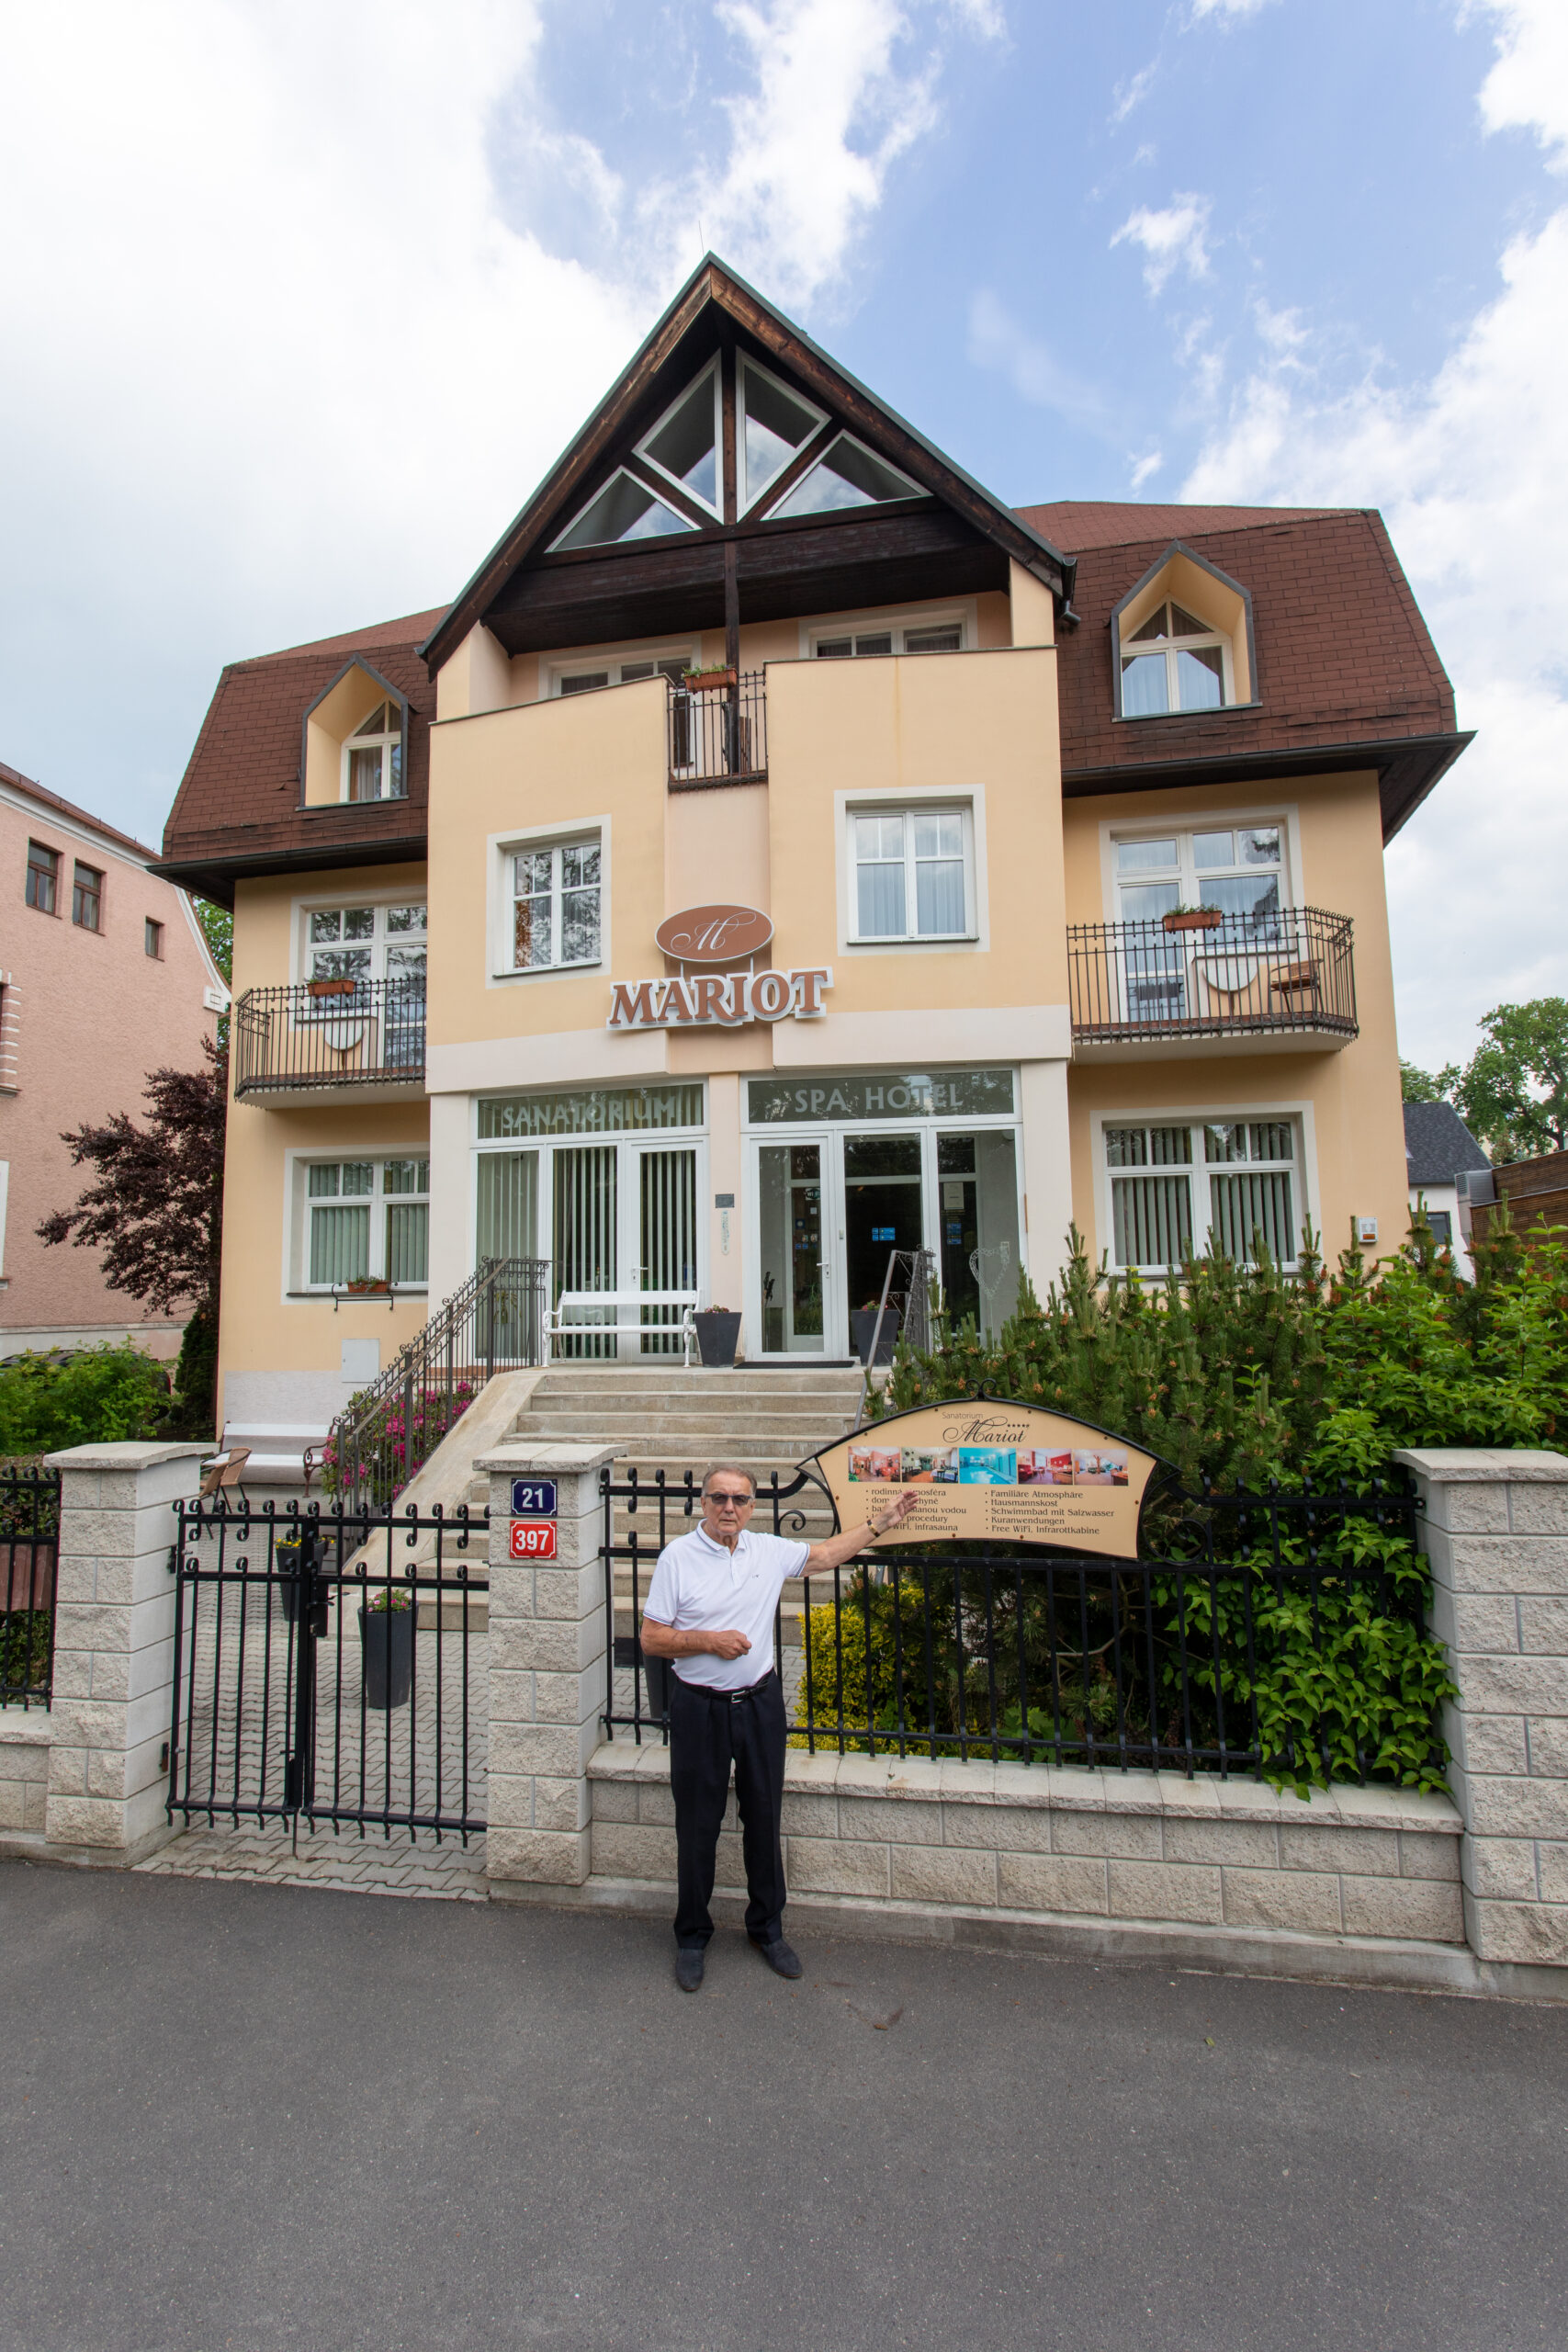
839,1548
662,1641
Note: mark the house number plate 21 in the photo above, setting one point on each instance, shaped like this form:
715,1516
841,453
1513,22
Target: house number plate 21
533,1539
533,1498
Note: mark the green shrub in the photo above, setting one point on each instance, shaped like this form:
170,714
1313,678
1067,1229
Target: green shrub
90,1398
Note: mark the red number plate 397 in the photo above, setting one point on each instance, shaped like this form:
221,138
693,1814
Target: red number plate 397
533,1539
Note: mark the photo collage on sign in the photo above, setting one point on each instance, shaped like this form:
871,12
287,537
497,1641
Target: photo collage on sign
987,1465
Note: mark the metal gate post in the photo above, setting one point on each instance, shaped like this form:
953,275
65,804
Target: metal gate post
299,1776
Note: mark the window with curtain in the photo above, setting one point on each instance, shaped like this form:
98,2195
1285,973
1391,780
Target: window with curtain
555,906
1227,1186
1174,662
911,874
366,1220
373,756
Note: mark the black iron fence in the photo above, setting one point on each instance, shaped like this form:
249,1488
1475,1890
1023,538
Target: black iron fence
387,1433
329,1033
29,1544
1201,974
328,1667
719,734
1274,1635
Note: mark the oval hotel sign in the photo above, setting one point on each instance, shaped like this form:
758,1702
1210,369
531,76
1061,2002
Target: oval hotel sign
714,934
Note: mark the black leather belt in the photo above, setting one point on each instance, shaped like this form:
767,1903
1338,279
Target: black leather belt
733,1698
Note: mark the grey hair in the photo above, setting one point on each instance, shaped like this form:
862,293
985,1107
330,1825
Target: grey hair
735,1470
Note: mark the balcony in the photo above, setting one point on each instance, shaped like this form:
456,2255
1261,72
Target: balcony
328,1037
1277,979
718,732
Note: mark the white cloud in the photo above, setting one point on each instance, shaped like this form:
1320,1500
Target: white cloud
1228,11
998,340
1146,469
1471,470
1174,238
278,359
1528,87
1131,93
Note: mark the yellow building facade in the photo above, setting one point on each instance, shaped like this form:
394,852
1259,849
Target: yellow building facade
783,856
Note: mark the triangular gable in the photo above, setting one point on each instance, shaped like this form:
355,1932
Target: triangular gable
619,456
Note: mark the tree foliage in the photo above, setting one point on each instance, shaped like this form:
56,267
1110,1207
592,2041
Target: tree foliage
1426,1086
1514,1091
155,1210
217,930
92,1398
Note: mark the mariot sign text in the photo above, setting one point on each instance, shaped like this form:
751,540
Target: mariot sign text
985,1470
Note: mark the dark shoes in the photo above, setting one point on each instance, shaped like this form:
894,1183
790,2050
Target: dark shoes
782,1957
689,1971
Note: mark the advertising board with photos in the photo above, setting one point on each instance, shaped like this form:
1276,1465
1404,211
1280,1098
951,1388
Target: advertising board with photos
989,1471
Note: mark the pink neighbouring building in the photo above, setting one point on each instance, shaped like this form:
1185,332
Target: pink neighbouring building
104,976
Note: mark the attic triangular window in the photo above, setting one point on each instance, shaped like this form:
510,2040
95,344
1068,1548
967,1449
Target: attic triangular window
625,509
684,442
773,424
847,475
383,720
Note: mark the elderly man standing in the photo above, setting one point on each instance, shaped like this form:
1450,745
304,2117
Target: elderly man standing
710,1610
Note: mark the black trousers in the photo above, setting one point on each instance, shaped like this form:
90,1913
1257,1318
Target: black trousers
707,1734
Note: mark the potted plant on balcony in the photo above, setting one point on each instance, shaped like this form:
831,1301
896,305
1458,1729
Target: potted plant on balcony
719,1335
1193,919
386,1635
699,680
331,988
368,1287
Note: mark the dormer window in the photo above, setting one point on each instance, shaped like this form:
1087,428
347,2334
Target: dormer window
373,756
1175,662
1181,640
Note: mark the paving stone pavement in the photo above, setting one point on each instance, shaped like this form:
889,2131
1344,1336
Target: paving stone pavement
449,1872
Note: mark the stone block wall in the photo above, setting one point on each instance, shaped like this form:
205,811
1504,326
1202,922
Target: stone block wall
25,1740
1091,1847
1495,1531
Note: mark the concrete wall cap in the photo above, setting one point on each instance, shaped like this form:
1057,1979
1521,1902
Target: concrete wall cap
122,1455
558,1459
1468,1466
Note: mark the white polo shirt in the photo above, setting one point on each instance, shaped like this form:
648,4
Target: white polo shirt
699,1586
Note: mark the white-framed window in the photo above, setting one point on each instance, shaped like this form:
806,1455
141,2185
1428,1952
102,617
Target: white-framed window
371,942
581,676
1179,1188
555,905
373,756
911,872
772,423
942,633
1240,869
1174,662
366,1221
846,474
684,443
626,509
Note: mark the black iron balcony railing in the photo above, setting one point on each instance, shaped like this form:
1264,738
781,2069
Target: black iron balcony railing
328,1034
1199,974
718,731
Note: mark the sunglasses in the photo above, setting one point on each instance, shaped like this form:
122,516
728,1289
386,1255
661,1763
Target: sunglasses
725,1498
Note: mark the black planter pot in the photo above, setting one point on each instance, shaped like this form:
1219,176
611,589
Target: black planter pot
387,1638
862,1328
718,1336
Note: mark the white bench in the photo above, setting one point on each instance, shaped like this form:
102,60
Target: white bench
624,1302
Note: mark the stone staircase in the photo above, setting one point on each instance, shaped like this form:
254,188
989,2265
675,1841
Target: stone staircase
662,1418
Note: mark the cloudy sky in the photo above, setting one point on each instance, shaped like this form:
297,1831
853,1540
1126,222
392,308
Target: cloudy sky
298,297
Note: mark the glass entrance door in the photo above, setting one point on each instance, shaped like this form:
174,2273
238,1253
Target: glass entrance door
789,1191
584,1215
667,1242
883,1210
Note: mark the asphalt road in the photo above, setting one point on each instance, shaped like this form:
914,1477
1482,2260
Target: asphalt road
260,2117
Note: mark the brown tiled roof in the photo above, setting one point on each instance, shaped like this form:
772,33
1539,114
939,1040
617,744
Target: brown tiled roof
1346,674
38,792
238,811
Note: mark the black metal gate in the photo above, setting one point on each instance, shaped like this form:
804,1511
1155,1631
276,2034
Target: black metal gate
331,1666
